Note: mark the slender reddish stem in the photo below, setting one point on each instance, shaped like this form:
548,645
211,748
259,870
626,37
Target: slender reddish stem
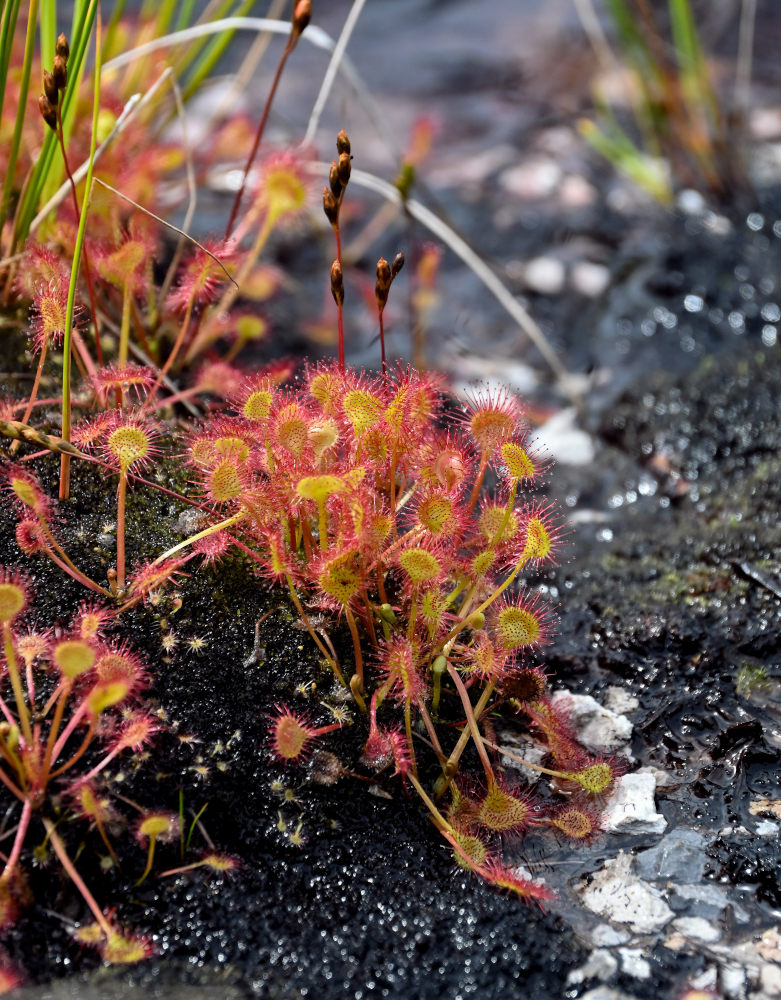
291,44
21,833
78,881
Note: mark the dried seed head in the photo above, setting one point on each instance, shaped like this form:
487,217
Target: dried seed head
334,181
62,46
48,113
384,279
59,73
50,88
330,206
398,264
342,143
302,15
344,168
337,283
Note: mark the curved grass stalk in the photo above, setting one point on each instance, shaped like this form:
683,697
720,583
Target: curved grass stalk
313,35
333,66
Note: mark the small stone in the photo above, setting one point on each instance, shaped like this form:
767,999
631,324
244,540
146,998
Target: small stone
770,979
765,807
590,279
706,900
562,438
619,700
631,809
544,275
680,855
769,946
526,749
697,929
708,979
767,828
605,936
733,980
691,202
599,965
576,192
536,177
616,893
633,963
607,993
598,729
765,123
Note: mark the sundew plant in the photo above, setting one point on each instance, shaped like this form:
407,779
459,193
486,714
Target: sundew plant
397,522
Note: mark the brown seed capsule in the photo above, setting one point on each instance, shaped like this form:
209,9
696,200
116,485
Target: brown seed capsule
48,113
333,180
50,88
344,168
302,15
398,264
342,143
62,47
59,73
337,283
330,207
382,287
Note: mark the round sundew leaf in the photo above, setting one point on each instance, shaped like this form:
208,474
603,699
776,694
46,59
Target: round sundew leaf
73,657
12,600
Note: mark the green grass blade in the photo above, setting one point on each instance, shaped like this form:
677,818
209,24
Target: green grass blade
43,168
695,79
111,30
48,32
185,18
7,29
206,55
631,38
67,348
21,112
